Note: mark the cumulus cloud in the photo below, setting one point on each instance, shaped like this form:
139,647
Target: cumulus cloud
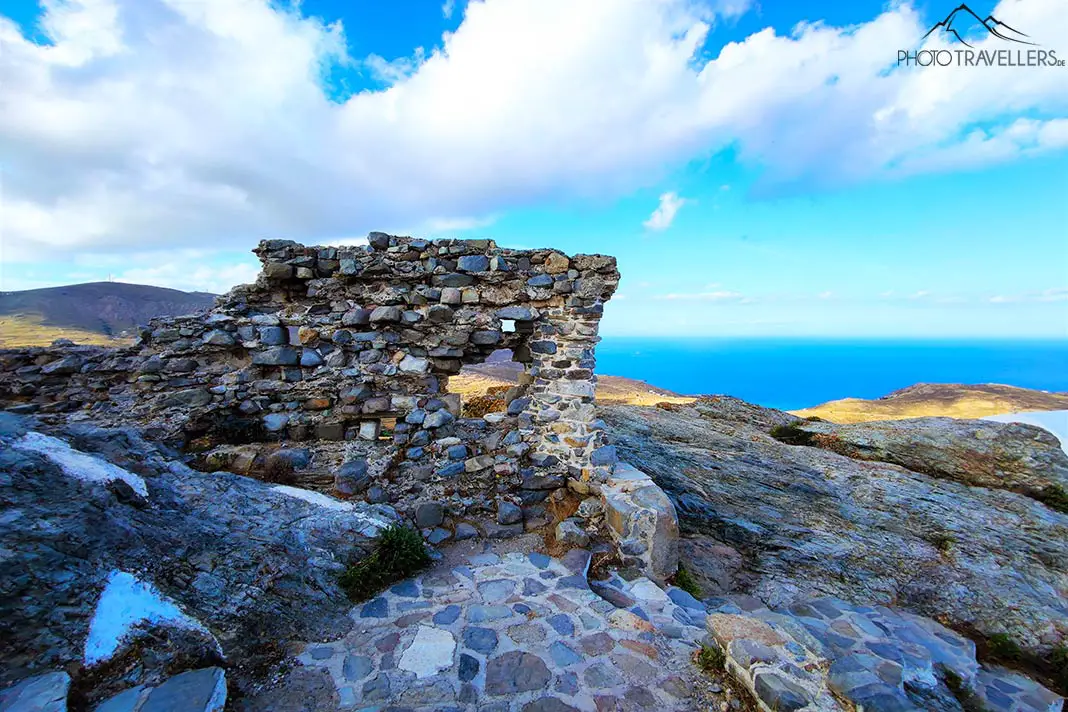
199,278
151,123
664,214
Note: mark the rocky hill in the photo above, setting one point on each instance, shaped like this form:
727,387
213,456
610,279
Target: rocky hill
954,400
91,312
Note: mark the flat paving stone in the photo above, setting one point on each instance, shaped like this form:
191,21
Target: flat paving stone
378,608
481,640
447,616
356,667
515,672
429,653
562,624
496,591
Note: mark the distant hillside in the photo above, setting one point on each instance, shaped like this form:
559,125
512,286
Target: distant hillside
93,312
499,371
955,400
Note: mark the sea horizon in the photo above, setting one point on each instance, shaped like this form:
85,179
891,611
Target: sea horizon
790,373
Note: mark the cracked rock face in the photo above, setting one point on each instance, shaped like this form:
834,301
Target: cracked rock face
222,557
1010,456
788,523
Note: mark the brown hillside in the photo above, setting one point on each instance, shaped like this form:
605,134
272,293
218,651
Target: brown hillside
89,313
954,400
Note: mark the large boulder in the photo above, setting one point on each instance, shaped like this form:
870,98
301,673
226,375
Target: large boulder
1012,456
786,524
124,567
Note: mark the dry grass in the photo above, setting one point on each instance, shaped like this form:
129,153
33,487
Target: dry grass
947,400
23,330
610,389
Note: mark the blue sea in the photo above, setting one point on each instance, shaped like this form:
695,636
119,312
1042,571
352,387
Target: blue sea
797,373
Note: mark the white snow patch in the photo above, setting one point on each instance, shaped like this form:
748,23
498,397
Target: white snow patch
1054,421
372,524
79,465
317,498
125,603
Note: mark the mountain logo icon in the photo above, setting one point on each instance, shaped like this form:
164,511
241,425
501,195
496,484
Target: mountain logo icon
962,15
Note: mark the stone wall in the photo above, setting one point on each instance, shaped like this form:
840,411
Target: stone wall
357,344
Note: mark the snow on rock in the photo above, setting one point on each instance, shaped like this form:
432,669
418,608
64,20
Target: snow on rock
125,603
372,524
78,464
1054,421
317,498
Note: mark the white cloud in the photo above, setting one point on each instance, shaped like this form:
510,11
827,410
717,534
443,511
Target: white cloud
149,123
447,8
719,296
1059,294
393,71
664,214
438,225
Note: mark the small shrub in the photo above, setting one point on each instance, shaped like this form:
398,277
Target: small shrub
1058,661
1055,497
791,434
943,541
398,553
279,471
1003,648
685,580
710,658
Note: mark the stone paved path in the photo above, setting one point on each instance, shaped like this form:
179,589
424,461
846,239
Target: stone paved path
516,632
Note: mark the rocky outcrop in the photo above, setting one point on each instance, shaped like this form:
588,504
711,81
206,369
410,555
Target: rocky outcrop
124,567
787,524
1011,456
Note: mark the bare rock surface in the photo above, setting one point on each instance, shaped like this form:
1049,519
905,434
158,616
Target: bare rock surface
1013,456
787,524
124,567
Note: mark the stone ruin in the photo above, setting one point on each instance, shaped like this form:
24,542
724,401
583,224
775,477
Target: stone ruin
355,346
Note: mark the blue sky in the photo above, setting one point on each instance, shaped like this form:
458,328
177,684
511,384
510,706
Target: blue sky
757,168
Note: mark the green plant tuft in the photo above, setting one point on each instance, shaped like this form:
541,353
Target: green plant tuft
792,434
685,580
943,541
710,658
1003,648
1058,660
1055,497
398,553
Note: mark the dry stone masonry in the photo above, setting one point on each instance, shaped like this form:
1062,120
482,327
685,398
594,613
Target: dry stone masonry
356,345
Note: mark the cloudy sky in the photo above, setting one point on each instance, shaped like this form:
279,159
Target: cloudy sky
759,167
